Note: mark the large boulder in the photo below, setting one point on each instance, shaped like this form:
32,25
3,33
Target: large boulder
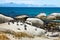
21,17
35,22
41,15
4,18
50,17
54,16
12,28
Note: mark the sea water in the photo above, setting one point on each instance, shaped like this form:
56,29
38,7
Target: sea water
30,11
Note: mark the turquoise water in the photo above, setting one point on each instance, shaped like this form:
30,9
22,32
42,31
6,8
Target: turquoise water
30,11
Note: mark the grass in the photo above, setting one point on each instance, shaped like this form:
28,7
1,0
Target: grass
23,34
18,34
3,36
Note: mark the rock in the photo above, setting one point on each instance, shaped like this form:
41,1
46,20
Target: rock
54,16
35,22
51,17
12,28
54,34
4,18
41,15
59,28
22,17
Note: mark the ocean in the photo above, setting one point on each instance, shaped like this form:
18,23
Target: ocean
30,11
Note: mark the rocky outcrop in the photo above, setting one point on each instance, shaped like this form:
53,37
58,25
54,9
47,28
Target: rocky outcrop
12,28
54,34
21,18
4,18
51,17
41,15
54,16
35,22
